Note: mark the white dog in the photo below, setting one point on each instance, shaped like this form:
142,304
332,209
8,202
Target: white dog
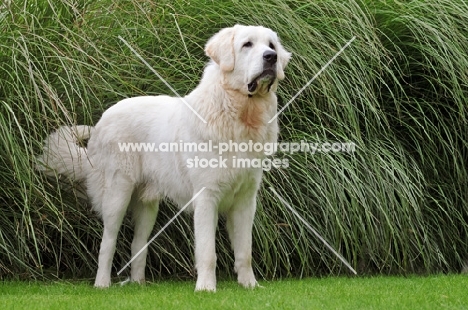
237,98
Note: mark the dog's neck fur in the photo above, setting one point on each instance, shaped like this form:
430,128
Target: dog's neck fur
243,117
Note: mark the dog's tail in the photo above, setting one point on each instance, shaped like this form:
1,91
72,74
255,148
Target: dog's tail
64,155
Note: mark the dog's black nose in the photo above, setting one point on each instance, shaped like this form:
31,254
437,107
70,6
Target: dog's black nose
270,57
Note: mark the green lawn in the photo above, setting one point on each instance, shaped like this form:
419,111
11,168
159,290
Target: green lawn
434,292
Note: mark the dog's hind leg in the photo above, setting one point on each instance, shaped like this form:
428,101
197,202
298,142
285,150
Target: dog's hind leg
115,199
144,216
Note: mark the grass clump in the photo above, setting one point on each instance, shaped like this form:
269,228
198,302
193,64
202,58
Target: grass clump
434,292
399,92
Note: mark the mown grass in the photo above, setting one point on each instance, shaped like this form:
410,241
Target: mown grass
434,292
397,205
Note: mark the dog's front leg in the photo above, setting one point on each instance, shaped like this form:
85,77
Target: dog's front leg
205,221
239,225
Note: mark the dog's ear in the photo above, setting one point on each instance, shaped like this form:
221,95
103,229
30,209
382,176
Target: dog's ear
283,59
220,48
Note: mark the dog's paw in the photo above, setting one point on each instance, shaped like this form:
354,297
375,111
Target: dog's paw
247,280
141,281
103,279
102,284
206,281
205,285
205,288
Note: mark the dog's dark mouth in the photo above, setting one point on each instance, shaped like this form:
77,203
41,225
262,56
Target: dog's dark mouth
266,77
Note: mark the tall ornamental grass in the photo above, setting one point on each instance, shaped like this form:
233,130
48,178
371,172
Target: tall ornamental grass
398,204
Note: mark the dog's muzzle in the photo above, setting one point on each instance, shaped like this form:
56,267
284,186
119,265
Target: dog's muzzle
268,75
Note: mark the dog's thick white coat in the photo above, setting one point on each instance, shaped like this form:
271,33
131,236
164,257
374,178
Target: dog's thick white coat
117,181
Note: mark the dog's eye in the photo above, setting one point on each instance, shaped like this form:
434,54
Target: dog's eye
272,46
247,44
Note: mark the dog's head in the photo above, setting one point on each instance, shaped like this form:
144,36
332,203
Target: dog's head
251,58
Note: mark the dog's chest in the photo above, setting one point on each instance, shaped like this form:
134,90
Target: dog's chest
238,189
